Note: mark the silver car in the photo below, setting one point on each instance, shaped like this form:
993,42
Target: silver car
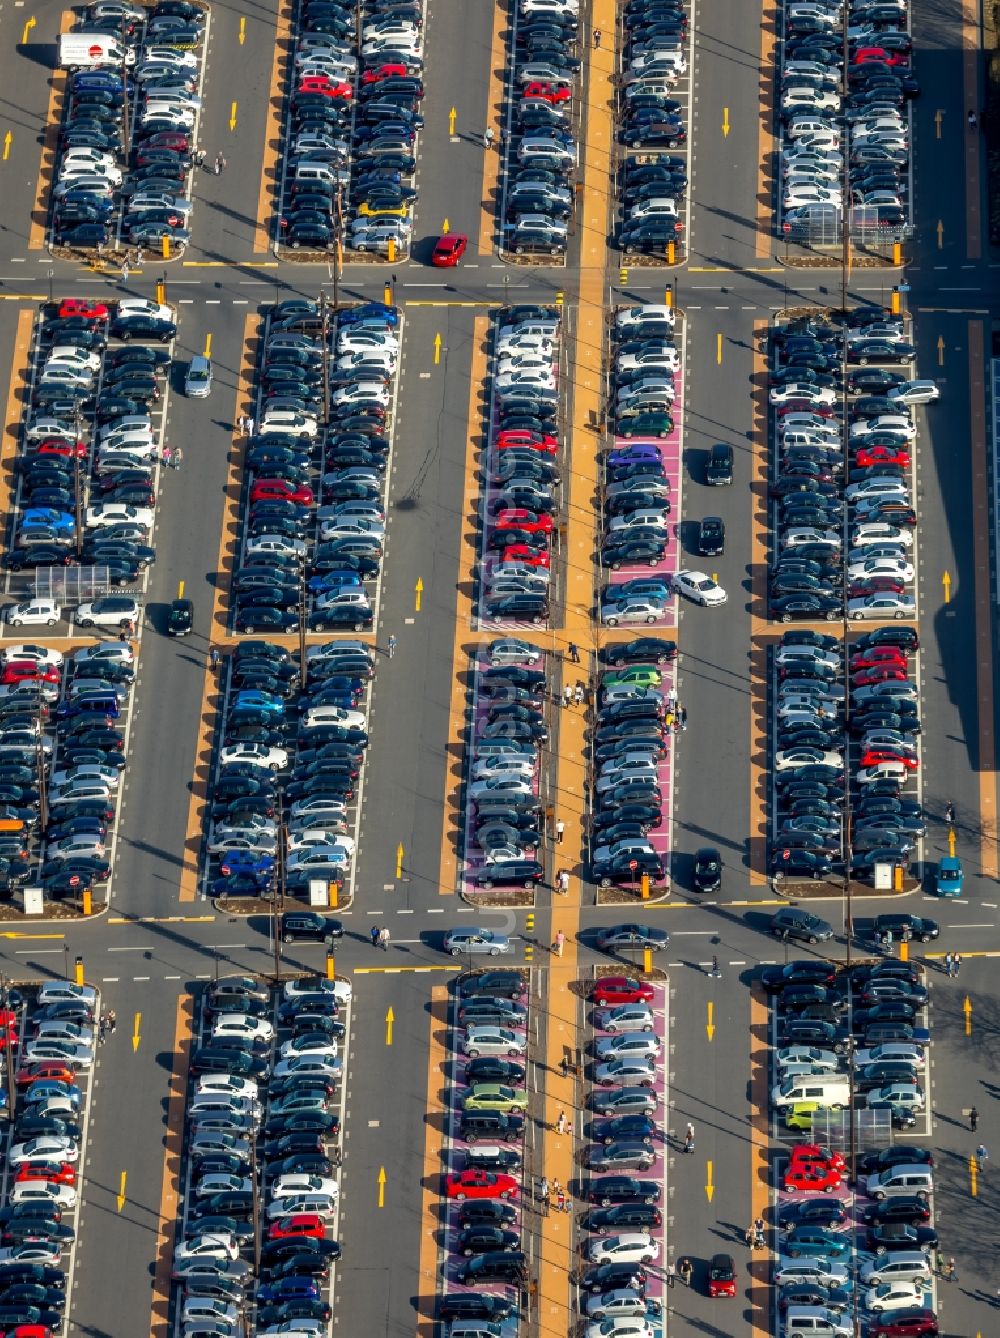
479,941
198,381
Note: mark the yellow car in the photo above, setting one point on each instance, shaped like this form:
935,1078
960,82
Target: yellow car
400,211
800,1116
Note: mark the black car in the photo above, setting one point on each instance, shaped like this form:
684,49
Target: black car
612,1277
901,1236
624,1217
499,984
719,467
490,1068
901,1154
180,617
475,1305
775,979
310,925
822,1211
707,872
622,1189
711,536
906,1208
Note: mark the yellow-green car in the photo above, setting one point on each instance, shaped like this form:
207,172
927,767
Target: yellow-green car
800,1116
641,675
495,1096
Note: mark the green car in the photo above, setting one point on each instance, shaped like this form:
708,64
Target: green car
494,1096
800,1116
651,424
642,675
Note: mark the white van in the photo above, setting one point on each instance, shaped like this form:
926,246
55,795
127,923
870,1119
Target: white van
908,1178
92,51
831,1090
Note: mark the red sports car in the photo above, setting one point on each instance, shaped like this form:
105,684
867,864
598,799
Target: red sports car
870,456
296,1224
531,557
58,446
270,489
894,656
384,72
813,1152
865,54
875,585
721,1275
549,92
52,1172
511,518
80,306
480,1185
449,250
621,989
319,83
23,671
810,1176
879,673
873,756
525,440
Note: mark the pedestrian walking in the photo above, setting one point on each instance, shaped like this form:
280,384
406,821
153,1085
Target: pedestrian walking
112,1021
677,723
668,719
939,1263
758,1233
949,814
561,1200
689,1138
682,715
559,944
383,938
488,137
250,425
165,455
947,963
560,830
564,1066
578,694
671,1273
973,1119
973,122
125,273
563,881
373,935
391,647
177,458
982,1157
561,1126
139,253
715,973
214,658
597,39
102,1030
567,695
956,962
685,1268
574,652
220,164
950,1271
543,1187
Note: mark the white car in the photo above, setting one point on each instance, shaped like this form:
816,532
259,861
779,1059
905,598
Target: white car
807,655
63,1051
526,343
822,1271
340,990
626,1017
209,1245
43,656
878,532
884,605
335,855
34,612
628,1045
665,355
88,771
266,544
799,196
257,754
793,391
361,391
243,1025
631,1247
914,392
289,421
636,770
230,1083
894,1296
71,173
816,1059
98,614
287,1186
352,340
308,837
490,1040
699,587
891,771
785,759
67,355
806,534
897,568
614,1304
897,424
143,306
42,1192
897,1052
623,1324
49,1147
632,318
117,513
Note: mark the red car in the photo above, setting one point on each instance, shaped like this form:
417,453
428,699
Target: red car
23,671
813,1152
864,54
875,585
873,756
878,655
29,1331
296,1224
804,406
915,1322
384,72
721,1275
53,1173
879,673
319,83
58,446
866,458
480,1185
531,557
513,518
549,92
80,306
621,989
48,1068
810,1176
512,439
168,139
270,489
449,250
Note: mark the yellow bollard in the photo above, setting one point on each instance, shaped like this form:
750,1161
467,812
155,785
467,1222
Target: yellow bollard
161,292
668,297
166,247
671,253
79,970
894,301
904,951
559,299
88,901
644,887
623,276
387,295
897,253
334,896
331,973
897,880
392,250
647,960
529,922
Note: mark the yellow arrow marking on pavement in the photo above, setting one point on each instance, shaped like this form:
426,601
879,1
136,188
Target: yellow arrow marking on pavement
26,30
940,235
718,348
135,1032
725,122
451,120
437,359
419,587
13,933
243,31
7,139
951,842
390,1018
446,227
946,582
208,344
381,1186
399,860
940,349
709,1185
232,117
973,1177
967,1010
180,589
121,1191
710,1025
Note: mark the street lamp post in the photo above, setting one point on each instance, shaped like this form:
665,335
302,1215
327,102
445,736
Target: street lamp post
278,900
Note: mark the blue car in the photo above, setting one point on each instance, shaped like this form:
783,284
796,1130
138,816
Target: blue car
335,580
261,701
816,1243
288,1289
247,862
101,79
43,1088
631,455
45,515
369,311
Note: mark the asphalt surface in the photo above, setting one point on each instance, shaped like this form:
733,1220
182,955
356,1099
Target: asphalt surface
144,967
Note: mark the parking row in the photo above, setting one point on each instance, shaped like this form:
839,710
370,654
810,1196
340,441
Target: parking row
539,144
257,1240
654,114
871,128
286,789
52,1036
316,467
129,124
521,471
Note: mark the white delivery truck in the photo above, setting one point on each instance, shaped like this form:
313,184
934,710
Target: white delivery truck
89,51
